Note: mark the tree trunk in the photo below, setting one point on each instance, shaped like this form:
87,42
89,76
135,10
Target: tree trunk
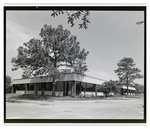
42,89
53,92
85,88
54,76
127,87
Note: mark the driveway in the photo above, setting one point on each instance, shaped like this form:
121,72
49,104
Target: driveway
90,109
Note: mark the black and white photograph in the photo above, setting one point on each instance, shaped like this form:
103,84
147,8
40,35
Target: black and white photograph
72,64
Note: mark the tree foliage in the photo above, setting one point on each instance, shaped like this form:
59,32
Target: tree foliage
57,48
81,15
108,87
139,88
127,72
8,81
8,84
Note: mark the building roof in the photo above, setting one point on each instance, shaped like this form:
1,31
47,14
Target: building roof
39,80
130,88
65,77
21,81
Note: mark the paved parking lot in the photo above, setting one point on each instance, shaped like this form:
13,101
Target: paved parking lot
91,109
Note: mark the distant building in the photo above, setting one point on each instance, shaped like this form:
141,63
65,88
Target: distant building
123,90
67,85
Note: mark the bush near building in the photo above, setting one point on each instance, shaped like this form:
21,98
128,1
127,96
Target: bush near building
108,88
8,86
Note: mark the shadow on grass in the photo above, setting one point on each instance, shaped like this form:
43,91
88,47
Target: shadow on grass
32,97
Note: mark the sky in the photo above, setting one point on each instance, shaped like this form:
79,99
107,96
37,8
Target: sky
111,36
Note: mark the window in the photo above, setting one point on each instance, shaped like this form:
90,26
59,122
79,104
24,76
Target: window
48,86
59,86
83,85
90,88
20,87
30,87
40,86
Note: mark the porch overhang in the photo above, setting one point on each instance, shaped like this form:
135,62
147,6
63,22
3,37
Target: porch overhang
62,78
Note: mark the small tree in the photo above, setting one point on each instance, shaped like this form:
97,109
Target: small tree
127,72
108,87
8,84
44,57
8,81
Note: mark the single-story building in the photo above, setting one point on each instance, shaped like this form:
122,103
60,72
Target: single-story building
132,90
67,85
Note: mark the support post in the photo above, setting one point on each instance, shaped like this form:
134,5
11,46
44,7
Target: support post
95,90
64,88
36,89
54,88
85,88
123,91
71,89
25,88
80,87
67,86
12,90
42,88
74,88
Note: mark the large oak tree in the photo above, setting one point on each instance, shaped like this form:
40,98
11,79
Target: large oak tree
127,72
57,48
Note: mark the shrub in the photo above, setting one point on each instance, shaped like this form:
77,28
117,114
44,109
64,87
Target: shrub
80,95
60,94
92,95
87,96
8,89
